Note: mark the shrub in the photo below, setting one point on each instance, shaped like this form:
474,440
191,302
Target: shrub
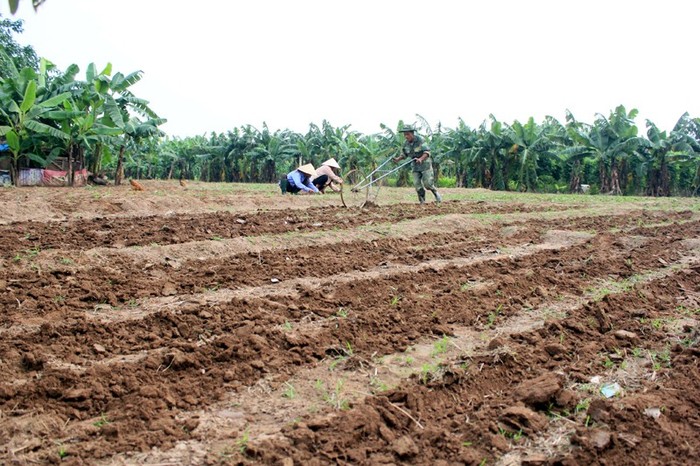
447,182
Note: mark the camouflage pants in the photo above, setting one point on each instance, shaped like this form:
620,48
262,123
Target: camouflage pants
424,180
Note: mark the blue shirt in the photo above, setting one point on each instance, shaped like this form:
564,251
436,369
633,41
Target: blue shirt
301,181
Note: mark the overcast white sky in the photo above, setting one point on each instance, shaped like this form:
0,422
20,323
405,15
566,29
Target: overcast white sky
212,65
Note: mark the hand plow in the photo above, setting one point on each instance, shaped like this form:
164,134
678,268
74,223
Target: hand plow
364,189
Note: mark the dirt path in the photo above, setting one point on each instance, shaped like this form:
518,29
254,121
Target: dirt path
179,327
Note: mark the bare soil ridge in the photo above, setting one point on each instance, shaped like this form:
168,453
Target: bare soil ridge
236,326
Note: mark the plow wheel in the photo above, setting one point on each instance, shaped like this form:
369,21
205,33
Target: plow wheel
349,194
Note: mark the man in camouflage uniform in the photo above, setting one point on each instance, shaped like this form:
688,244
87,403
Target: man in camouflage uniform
419,151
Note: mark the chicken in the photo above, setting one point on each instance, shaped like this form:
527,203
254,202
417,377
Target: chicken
135,185
182,183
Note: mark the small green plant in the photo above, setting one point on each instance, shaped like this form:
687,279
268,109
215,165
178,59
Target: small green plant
466,444
287,325
17,257
319,385
587,387
216,238
377,384
59,299
491,319
582,405
466,286
62,452
335,397
102,421
688,312
430,373
687,342
637,352
342,313
395,300
289,392
657,323
665,356
607,363
337,360
65,261
441,346
511,435
242,443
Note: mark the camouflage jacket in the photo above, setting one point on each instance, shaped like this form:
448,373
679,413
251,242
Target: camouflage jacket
415,149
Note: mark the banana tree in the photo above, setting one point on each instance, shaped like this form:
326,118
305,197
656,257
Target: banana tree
271,149
618,134
119,104
609,141
24,123
457,144
134,131
531,143
487,159
663,151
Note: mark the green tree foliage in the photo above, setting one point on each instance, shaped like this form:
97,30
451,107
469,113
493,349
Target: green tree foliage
26,117
528,156
99,123
46,113
14,55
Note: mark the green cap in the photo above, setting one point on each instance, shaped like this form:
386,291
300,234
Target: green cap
408,129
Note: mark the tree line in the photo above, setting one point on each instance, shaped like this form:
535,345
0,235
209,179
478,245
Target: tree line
98,123
608,155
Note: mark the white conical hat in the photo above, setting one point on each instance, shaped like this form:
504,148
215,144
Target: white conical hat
331,163
308,169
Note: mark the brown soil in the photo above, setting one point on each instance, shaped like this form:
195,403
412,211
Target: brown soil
227,324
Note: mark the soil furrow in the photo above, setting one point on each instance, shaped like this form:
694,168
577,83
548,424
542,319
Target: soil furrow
249,328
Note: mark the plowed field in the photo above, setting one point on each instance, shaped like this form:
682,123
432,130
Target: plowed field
227,324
